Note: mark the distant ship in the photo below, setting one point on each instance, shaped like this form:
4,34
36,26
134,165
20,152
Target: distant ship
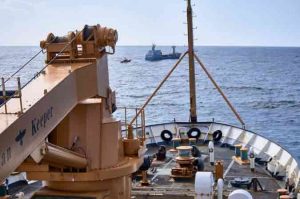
156,55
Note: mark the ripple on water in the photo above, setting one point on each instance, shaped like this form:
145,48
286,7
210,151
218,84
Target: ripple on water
263,84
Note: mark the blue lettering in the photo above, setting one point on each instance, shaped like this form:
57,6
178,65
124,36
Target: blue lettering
41,122
20,136
34,130
5,156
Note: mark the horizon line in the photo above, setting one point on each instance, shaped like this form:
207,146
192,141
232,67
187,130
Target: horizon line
165,45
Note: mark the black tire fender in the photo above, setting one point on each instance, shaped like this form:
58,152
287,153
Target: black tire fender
166,135
217,135
194,129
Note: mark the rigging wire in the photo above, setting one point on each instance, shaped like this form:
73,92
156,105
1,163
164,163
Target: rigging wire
24,65
53,59
50,62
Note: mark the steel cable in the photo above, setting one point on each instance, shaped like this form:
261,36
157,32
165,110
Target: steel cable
50,62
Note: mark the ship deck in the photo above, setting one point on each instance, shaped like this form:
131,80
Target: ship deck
163,186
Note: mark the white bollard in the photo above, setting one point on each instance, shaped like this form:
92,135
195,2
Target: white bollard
211,151
276,168
220,186
240,194
204,185
252,159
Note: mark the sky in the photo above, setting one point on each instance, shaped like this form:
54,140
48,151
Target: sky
143,22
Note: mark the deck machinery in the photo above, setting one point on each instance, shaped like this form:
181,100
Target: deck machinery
185,167
65,134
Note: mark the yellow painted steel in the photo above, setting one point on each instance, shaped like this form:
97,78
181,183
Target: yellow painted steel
69,104
64,157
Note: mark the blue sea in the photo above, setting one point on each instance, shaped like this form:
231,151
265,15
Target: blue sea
263,83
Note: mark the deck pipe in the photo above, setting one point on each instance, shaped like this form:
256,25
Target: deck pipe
211,153
219,169
252,159
276,168
64,157
220,186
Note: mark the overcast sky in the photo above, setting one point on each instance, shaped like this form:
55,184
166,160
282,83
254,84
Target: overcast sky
143,22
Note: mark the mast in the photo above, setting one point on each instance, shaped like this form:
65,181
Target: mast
192,57
193,109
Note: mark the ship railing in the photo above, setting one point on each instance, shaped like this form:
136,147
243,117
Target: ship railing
140,122
9,92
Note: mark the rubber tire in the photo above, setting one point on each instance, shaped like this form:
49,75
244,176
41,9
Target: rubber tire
197,136
217,135
163,135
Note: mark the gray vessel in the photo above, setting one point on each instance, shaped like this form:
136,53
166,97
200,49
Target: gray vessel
156,55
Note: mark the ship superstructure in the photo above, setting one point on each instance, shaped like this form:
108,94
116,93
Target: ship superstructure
157,55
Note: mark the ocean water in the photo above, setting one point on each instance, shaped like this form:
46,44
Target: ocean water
263,83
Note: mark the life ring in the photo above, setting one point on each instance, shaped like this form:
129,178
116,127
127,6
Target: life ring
166,135
217,135
190,133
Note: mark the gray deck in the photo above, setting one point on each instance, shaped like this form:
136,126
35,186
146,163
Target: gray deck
163,186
